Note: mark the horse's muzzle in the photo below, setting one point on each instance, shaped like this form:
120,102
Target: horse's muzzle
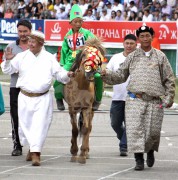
89,76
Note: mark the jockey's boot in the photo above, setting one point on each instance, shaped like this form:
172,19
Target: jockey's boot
60,104
96,105
139,161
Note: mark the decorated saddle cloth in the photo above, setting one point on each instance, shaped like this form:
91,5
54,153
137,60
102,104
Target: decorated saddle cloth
2,108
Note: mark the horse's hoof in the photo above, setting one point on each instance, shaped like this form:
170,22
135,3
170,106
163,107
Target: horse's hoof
87,156
73,159
82,160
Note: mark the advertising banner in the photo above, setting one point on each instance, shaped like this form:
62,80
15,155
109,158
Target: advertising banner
55,30
113,32
8,28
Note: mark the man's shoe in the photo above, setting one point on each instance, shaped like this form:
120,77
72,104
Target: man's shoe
35,158
16,152
123,153
96,105
139,165
150,158
139,161
60,105
29,156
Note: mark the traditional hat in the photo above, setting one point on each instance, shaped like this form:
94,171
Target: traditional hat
75,12
38,35
144,28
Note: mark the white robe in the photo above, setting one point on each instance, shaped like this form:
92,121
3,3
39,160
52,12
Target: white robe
35,76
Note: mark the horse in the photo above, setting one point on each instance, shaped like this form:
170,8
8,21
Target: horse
79,94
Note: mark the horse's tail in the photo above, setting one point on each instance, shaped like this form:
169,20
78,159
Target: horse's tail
80,123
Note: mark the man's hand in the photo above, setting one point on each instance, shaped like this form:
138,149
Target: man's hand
169,105
70,74
8,54
165,105
103,73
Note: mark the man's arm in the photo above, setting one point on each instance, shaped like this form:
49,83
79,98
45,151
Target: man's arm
168,80
59,73
118,77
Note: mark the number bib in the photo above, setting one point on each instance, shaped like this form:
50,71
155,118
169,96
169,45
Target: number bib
80,41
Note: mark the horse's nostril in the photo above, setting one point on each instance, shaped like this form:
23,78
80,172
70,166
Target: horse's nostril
91,78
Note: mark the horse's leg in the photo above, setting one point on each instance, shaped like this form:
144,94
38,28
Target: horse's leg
89,131
74,146
80,123
86,129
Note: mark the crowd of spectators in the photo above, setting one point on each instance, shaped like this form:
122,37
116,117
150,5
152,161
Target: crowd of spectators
101,10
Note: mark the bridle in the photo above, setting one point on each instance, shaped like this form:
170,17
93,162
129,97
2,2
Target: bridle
93,60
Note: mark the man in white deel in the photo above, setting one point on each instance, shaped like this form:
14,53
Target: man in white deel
36,68
117,110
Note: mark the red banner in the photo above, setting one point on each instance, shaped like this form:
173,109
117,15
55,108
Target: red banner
112,32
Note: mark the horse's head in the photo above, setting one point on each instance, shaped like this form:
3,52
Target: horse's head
90,58
91,61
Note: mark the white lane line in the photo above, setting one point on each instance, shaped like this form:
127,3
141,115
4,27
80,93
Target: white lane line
53,176
3,172
167,138
167,160
170,144
116,173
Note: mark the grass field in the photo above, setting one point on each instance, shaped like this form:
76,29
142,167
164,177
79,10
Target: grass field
175,100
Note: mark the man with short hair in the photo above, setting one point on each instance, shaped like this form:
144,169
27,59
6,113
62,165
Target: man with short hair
117,110
36,68
21,44
151,87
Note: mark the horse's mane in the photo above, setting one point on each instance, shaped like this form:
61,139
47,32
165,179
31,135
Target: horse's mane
95,42
92,42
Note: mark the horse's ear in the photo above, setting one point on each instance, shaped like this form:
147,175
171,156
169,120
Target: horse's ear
77,62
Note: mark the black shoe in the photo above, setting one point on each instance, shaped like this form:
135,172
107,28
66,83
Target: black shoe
60,105
139,161
96,105
150,158
139,165
123,153
17,152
